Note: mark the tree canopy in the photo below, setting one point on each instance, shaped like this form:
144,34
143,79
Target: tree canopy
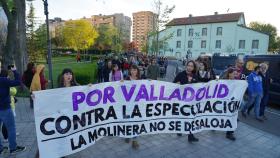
79,34
268,29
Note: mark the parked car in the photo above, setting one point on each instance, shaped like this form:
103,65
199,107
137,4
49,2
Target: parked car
221,62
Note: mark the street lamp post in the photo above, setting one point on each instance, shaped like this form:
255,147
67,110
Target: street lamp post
49,42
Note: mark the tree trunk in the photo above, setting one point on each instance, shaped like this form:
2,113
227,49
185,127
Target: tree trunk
21,51
11,40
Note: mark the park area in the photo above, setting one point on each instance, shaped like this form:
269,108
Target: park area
84,71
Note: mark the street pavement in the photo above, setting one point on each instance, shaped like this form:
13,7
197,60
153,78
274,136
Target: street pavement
251,142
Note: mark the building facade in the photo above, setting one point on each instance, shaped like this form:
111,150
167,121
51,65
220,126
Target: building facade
218,33
120,21
144,22
54,26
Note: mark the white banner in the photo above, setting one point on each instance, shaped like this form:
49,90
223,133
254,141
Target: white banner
69,120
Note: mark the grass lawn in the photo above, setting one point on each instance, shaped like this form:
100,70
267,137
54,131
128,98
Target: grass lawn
88,69
85,72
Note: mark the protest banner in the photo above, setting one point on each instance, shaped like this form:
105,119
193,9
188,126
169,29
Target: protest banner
69,120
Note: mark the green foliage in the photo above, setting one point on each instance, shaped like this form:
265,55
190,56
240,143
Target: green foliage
108,39
79,34
268,29
57,41
35,38
37,43
83,79
163,18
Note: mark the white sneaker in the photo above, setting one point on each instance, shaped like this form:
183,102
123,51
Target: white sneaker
5,140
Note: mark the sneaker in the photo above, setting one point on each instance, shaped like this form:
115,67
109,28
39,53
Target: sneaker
4,150
243,114
248,112
17,150
191,138
5,140
135,144
259,119
230,137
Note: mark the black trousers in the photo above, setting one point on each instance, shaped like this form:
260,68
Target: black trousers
230,132
4,131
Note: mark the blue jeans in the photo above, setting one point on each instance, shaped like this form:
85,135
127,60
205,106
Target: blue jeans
256,100
7,117
264,103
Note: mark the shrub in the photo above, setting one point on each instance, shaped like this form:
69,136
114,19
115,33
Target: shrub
83,78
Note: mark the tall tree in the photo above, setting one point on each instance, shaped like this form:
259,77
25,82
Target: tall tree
268,29
38,44
278,44
31,36
163,17
3,31
21,58
79,34
107,39
15,46
57,41
9,48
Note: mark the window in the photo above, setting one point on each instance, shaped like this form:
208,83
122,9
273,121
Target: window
219,31
190,44
218,44
241,44
190,32
203,44
179,32
204,31
178,45
255,44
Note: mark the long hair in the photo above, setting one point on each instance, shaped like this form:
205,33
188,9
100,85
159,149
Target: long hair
135,67
228,71
30,67
205,65
113,66
194,66
73,82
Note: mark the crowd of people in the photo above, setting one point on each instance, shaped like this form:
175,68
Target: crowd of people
117,68
129,68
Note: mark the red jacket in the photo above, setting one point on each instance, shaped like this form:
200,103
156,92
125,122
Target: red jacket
126,66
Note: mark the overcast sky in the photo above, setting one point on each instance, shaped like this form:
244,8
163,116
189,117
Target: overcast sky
266,11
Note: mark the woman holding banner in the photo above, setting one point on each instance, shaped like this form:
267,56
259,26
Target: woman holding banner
203,75
67,79
133,74
230,74
187,77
